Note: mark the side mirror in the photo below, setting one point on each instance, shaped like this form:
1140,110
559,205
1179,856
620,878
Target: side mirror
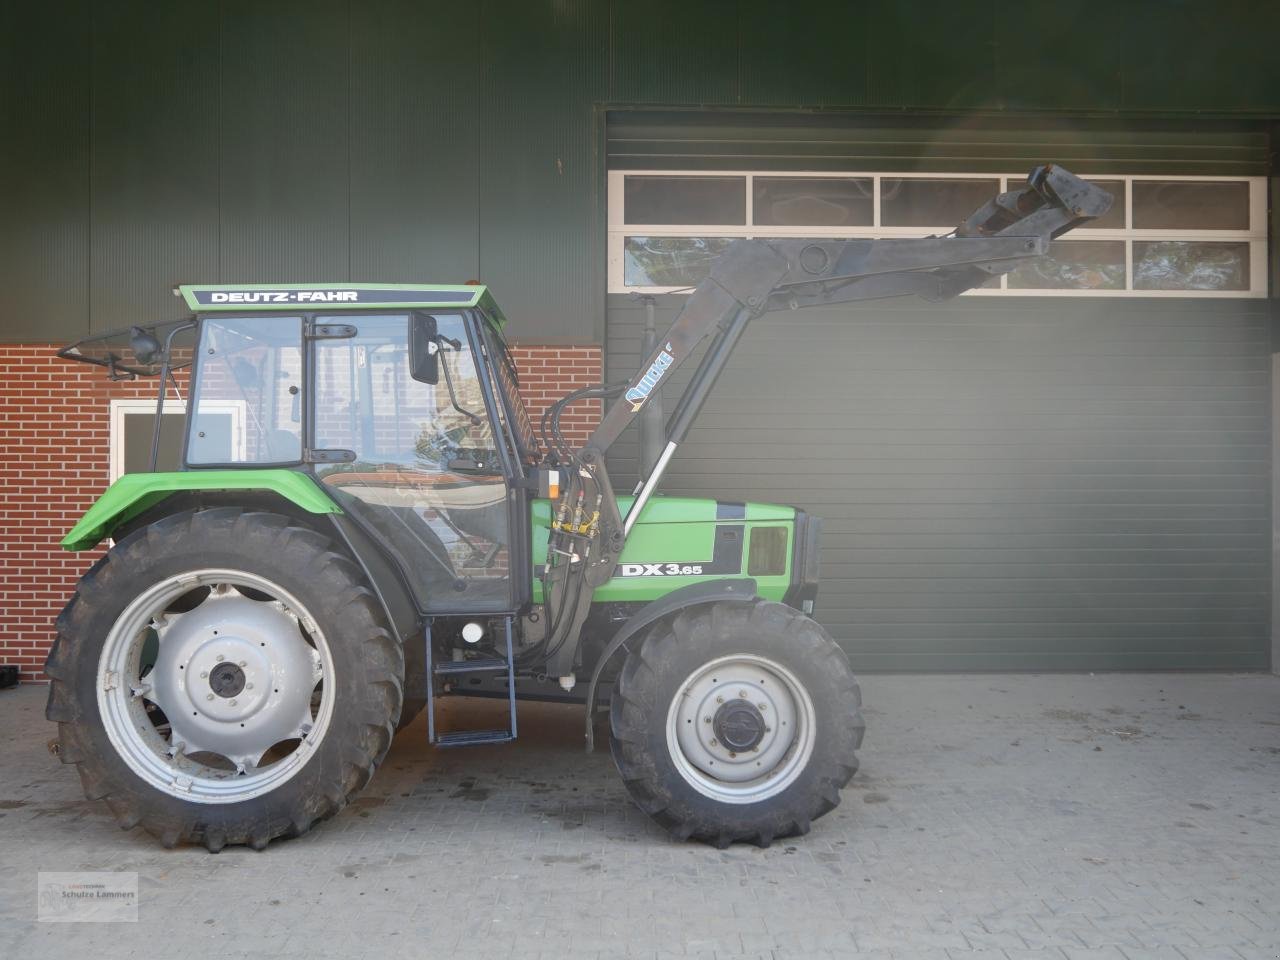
145,347
424,351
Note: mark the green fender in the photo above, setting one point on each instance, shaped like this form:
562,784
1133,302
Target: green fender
136,492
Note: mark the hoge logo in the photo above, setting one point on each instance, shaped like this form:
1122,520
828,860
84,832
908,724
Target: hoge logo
638,394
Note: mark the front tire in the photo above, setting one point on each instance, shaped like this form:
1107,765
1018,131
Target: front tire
223,677
736,722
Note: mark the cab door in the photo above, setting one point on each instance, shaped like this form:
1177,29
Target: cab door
427,474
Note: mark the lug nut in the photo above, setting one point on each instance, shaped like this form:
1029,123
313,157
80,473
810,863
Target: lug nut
762,706
219,658
719,699
706,719
713,742
742,694
208,696
204,674
248,686
244,663
233,703
732,755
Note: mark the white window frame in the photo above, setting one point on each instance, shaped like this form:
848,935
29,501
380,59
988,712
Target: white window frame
1255,236
124,407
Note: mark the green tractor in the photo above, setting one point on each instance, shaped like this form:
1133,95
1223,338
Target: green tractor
366,519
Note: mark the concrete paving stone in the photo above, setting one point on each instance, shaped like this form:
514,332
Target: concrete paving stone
1260,951
985,940
912,952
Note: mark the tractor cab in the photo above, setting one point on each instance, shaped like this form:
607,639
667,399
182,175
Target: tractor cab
403,403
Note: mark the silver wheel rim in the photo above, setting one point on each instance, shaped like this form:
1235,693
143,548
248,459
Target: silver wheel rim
238,692
764,693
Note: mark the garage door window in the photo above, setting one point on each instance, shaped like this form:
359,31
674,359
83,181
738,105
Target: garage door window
1164,236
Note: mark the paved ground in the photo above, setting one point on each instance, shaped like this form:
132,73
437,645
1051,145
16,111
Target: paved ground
1058,817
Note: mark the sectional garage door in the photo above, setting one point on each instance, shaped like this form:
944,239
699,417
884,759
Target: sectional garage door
1007,482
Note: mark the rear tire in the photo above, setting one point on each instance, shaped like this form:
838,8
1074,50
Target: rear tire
295,615
736,722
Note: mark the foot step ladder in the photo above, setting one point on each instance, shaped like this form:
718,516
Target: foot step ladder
456,668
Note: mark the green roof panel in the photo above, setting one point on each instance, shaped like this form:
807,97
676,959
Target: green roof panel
207,298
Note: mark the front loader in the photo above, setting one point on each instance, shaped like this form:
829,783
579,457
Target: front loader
366,520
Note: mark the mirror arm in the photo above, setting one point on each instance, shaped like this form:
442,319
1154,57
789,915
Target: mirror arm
475,418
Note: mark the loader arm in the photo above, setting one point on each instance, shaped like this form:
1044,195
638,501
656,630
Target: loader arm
754,277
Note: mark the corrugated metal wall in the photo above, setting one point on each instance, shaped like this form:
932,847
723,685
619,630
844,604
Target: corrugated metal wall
1006,484
751,140
148,143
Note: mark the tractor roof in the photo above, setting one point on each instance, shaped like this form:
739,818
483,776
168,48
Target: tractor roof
114,349
206,298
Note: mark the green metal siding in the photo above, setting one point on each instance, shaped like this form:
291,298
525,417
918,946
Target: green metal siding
337,140
44,170
541,71
285,142
673,52
1005,484
153,196
415,127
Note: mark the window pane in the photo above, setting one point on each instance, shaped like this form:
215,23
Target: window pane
805,201
1113,219
252,368
139,429
366,401
1074,265
688,200
1190,265
932,202
669,261
1190,205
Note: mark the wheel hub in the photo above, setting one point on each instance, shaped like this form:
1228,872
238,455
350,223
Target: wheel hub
234,671
234,677
739,725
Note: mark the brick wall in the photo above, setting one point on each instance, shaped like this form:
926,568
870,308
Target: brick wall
56,461
548,373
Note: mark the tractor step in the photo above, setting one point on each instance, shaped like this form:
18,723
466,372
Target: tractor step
469,666
467,738
470,738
